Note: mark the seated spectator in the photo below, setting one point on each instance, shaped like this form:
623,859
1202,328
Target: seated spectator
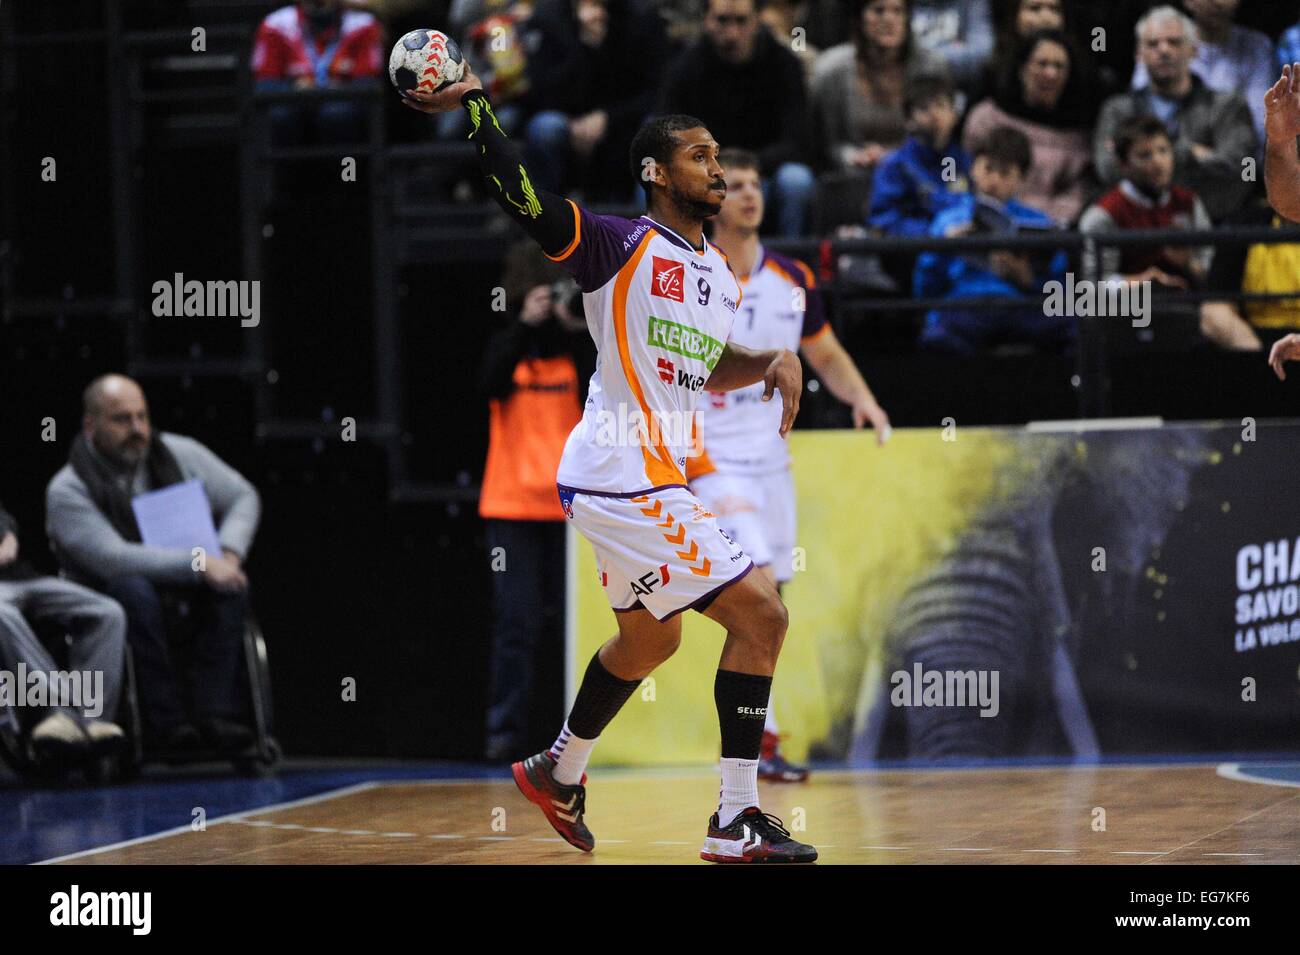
1040,95
316,44
857,87
592,69
1213,132
1020,18
534,373
61,732
1147,199
1229,58
929,171
749,91
93,530
960,32
1260,268
1001,161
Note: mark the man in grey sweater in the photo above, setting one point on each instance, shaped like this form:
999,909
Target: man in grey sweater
93,532
1212,131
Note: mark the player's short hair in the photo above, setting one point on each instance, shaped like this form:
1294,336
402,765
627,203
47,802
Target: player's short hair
656,139
733,157
1135,129
1006,146
923,89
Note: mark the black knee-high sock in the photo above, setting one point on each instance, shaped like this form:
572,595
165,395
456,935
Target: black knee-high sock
600,697
742,710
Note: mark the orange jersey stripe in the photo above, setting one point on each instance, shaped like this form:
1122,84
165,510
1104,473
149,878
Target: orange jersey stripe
577,236
659,465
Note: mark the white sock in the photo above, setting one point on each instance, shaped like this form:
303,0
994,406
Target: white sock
769,725
739,788
571,754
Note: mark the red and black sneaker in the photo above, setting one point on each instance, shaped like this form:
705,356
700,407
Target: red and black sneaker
753,836
562,805
774,767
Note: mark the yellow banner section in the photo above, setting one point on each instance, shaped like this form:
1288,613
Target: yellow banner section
870,520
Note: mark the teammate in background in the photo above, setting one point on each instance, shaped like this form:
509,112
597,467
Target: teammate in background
1282,176
660,301
744,476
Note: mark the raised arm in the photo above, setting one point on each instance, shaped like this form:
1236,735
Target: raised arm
777,368
549,219
1282,126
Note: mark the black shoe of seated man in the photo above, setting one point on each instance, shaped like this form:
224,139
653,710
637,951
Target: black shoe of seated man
181,738
226,736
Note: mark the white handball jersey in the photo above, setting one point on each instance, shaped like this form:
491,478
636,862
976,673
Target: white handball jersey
782,309
660,313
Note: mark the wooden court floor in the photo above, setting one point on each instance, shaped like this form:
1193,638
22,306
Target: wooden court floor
1152,815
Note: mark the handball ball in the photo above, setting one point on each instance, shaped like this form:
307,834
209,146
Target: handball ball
425,60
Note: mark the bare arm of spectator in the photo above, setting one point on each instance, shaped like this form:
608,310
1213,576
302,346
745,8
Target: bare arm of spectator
1281,161
1222,324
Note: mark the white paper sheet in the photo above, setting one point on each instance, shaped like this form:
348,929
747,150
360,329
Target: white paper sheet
177,517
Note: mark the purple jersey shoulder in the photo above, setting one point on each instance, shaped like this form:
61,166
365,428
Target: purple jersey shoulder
814,315
602,247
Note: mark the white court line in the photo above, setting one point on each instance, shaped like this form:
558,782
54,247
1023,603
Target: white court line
1051,850
1234,771
230,817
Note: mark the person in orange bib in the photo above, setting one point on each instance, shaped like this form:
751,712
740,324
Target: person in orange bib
534,373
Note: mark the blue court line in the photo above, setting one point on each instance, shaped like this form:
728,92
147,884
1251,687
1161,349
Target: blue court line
44,823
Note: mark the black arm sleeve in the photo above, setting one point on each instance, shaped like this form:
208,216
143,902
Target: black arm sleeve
504,349
546,217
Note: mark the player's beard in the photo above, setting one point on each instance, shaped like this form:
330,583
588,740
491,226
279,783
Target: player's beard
696,208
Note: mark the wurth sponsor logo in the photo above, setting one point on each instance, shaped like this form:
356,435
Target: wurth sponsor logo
668,279
666,370
690,382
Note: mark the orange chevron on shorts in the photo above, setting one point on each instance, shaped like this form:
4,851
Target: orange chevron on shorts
702,570
640,500
667,522
690,555
678,537
652,511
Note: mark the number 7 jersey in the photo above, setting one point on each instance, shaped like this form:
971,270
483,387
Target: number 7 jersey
660,312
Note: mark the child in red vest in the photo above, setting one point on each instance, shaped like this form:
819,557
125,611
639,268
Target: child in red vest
1146,199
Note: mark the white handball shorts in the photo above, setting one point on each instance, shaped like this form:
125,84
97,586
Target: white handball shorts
662,550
